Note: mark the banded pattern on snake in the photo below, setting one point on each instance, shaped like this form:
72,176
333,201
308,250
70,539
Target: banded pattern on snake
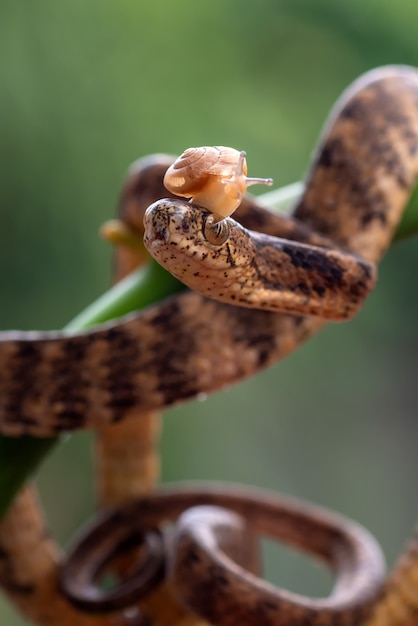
364,170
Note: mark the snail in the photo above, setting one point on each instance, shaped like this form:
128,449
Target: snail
214,177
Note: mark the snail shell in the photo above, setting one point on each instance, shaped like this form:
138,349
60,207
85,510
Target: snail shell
214,177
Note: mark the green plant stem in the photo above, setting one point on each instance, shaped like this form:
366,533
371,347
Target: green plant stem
20,457
283,199
141,288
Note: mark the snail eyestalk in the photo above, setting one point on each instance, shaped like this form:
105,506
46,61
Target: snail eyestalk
236,185
242,171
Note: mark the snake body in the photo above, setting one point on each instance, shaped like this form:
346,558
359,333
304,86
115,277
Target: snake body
363,172
209,520
362,175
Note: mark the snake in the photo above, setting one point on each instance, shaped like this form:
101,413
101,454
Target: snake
207,566
363,172
321,260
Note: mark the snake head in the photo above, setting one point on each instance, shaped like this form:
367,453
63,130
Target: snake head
225,261
201,251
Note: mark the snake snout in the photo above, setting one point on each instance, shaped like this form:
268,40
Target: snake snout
156,223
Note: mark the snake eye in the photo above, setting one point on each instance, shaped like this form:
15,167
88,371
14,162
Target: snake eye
215,232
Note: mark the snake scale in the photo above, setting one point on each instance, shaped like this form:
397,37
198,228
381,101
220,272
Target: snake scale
363,172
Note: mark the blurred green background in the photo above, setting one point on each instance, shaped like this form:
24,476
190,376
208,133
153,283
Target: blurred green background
88,87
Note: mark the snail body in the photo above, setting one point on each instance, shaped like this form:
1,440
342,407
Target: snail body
213,177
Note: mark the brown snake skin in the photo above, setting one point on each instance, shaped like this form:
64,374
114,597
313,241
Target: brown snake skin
200,569
252,269
362,175
257,603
